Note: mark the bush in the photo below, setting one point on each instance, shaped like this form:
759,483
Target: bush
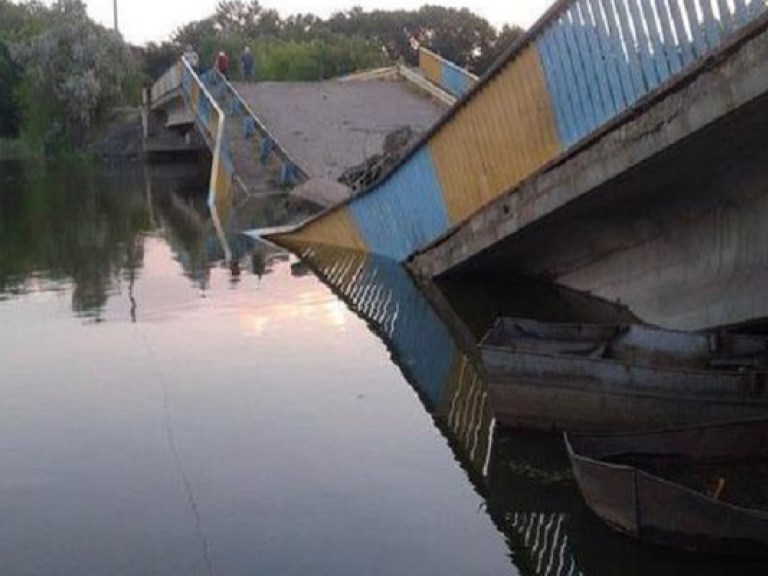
73,71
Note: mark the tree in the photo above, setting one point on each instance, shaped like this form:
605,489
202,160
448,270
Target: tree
17,21
457,35
73,69
505,39
10,111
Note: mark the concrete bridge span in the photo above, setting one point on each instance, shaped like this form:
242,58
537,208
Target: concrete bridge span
664,211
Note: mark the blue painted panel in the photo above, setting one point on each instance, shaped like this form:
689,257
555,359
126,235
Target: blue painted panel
618,61
725,16
711,25
581,116
422,346
249,127
204,110
643,44
266,148
605,50
592,80
658,53
600,59
669,47
755,8
556,87
742,15
629,45
697,29
406,212
455,80
578,66
684,43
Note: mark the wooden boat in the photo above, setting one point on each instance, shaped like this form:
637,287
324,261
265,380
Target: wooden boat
700,488
583,377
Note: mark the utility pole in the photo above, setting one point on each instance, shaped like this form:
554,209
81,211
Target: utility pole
115,6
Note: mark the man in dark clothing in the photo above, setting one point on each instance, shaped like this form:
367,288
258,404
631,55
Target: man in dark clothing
246,64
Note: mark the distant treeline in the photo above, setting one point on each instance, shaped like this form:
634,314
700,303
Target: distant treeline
60,72
306,47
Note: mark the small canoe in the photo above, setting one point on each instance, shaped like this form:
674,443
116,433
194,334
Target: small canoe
583,377
701,488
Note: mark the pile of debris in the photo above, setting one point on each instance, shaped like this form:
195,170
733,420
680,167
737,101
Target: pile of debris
364,175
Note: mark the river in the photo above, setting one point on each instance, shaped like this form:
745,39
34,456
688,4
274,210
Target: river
163,412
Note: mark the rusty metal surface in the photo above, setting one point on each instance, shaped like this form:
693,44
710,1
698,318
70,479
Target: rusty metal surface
648,504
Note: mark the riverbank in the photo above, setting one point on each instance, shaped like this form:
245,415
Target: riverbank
117,138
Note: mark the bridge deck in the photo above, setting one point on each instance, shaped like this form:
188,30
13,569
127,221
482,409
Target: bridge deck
328,127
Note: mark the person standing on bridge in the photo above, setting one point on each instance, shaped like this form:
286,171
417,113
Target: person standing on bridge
192,58
246,64
222,64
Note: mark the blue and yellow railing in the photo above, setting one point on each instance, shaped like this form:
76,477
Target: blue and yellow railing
450,77
270,153
219,112
584,64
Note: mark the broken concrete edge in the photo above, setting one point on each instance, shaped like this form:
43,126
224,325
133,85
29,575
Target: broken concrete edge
386,73
418,81
321,191
728,79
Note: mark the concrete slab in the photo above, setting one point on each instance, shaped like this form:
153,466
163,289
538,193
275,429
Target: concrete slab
328,127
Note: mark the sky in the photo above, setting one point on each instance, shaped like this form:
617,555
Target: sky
142,21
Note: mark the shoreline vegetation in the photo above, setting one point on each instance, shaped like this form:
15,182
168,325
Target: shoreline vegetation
66,81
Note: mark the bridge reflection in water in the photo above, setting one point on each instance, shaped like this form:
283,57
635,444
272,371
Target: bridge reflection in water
524,476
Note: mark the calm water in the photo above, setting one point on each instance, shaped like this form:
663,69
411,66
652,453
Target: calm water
164,413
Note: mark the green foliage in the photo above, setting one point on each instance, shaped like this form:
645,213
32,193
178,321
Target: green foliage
64,72
76,224
456,34
10,76
16,149
329,56
157,58
305,47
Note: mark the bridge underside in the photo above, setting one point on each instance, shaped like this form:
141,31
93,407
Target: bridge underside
680,236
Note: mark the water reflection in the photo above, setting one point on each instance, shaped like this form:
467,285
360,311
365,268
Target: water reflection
524,476
85,229
64,223
245,408
279,362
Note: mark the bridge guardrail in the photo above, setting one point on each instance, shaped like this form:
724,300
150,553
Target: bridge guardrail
602,56
447,75
290,173
583,65
211,121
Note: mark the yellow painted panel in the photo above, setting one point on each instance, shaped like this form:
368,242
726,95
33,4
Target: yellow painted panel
430,66
213,123
505,134
223,190
337,265
335,228
194,96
